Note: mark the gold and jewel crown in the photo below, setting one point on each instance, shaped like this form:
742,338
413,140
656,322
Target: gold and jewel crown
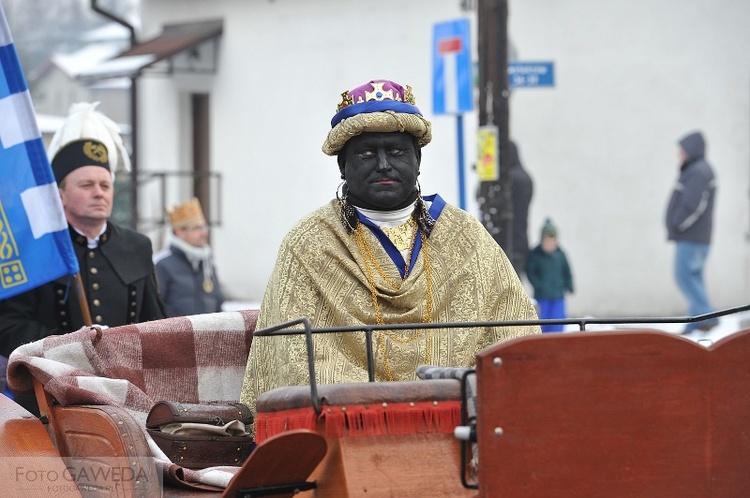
187,213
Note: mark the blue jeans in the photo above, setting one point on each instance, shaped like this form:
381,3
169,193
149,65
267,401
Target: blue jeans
552,308
690,259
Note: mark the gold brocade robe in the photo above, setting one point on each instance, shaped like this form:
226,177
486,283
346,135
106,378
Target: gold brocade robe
321,274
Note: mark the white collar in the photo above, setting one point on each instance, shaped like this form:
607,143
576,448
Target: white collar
388,219
92,243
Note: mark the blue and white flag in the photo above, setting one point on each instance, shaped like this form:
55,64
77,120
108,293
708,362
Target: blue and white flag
35,246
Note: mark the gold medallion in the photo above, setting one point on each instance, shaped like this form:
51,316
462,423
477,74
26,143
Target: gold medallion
208,286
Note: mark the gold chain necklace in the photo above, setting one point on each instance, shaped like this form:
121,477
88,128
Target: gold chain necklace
371,262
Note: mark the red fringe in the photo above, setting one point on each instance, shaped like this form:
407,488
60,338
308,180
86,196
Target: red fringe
391,419
270,424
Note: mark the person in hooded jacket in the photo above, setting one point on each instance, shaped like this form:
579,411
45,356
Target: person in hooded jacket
689,221
521,194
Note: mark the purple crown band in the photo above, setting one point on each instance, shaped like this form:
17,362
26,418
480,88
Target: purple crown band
374,96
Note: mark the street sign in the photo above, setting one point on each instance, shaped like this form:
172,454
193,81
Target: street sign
452,81
526,74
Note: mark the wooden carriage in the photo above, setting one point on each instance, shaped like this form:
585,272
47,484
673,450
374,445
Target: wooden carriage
593,413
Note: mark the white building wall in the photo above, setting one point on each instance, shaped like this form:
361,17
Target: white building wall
632,77
160,147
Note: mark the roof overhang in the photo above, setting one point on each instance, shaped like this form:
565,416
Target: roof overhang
181,48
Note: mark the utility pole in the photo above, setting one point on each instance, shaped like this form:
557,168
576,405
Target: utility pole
495,196
133,222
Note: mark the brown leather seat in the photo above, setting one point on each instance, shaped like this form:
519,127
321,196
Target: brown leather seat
364,393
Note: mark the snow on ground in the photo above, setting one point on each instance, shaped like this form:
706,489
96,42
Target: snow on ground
727,326
240,305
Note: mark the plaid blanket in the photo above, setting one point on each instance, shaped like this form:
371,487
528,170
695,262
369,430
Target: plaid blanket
193,359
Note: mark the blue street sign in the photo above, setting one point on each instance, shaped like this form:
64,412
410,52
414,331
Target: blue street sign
525,74
451,57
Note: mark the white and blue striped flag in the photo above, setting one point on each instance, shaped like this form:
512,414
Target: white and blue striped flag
35,246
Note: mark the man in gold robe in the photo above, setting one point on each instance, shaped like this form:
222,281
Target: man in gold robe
381,253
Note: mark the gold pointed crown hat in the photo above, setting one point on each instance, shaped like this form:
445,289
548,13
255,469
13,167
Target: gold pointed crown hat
186,214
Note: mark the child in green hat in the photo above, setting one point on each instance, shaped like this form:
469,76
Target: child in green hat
549,273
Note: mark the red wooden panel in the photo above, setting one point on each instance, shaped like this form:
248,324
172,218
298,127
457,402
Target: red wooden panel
729,422
616,413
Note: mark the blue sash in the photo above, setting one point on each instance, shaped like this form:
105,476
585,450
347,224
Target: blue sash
435,209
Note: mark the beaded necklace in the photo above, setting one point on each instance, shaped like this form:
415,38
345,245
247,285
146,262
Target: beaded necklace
370,263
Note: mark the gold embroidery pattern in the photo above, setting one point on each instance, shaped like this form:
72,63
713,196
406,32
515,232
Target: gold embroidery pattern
402,236
321,274
380,121
371,262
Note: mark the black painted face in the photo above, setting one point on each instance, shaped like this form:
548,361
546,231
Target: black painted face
381,168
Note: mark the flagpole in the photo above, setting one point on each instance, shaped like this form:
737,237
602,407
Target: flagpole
82,300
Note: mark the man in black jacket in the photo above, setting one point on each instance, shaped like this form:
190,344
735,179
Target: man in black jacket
115,263
689,223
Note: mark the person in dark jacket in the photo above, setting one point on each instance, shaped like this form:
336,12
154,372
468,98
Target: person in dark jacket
522,191
549,273
115,262
185,270
689,223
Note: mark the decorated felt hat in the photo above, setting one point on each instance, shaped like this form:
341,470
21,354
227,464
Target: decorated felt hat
378,106
78,153
85,123
186,214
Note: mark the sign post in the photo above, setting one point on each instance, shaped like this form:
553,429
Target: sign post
452,83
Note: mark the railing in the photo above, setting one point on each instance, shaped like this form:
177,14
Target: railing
207,186
292,328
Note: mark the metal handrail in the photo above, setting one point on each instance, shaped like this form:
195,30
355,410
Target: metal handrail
286,328
162,179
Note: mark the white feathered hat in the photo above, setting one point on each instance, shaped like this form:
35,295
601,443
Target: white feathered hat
84,121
